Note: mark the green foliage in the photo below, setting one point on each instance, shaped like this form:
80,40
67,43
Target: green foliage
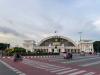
4,46
16,49
96,46
22,51
19,49
40,52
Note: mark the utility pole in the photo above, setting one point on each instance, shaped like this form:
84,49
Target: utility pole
80,33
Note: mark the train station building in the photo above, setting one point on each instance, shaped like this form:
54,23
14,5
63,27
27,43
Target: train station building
58,44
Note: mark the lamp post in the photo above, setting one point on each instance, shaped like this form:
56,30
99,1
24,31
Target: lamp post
80,33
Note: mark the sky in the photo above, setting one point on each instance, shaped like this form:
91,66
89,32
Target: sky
37,19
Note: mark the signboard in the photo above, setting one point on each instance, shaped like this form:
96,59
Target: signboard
56,43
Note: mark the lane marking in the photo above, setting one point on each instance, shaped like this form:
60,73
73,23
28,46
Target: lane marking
64,72
55,69
12,68
89,64
60,70
44,66
78,72
80,60
90,73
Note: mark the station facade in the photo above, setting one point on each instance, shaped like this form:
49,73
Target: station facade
59,44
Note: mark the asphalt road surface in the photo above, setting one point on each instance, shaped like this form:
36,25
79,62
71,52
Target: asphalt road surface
51,65
4,70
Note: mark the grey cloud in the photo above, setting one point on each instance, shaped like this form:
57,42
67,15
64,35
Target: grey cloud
6,30
52,23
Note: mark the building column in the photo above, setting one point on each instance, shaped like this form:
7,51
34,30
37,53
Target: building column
70,50
92,48
62,48
49,49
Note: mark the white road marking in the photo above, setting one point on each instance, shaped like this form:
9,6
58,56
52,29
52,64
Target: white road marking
43,65
64,72
19,72
78,72
12,68
90,73
61,70
54,68
22,74
85,57
89,64
81,60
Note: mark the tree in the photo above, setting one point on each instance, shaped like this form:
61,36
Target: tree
96,46
3,47
20,50
16,49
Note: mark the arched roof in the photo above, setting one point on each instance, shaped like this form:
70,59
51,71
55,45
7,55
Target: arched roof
50,37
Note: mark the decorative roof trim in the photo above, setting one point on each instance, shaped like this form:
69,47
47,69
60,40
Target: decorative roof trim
57,37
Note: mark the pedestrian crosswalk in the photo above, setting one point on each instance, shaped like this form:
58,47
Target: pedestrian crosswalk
90,73
83,61
78,72
75,59
80,61
56,69
60,70
18,72
68,71
89,64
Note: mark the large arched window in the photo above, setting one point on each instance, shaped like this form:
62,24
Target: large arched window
57,41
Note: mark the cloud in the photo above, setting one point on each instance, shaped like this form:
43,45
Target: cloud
51,24
97,24
37,19
6,30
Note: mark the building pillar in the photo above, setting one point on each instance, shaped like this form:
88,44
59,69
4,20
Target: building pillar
62,48
69,50
92,48
49,49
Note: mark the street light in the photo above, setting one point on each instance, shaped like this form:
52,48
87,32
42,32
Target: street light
80,33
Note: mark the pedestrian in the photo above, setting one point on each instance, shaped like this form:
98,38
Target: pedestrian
71,56
17,57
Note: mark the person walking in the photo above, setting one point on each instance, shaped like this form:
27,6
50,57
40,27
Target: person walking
17,57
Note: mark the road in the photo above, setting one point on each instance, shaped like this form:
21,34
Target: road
50,65
4,70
